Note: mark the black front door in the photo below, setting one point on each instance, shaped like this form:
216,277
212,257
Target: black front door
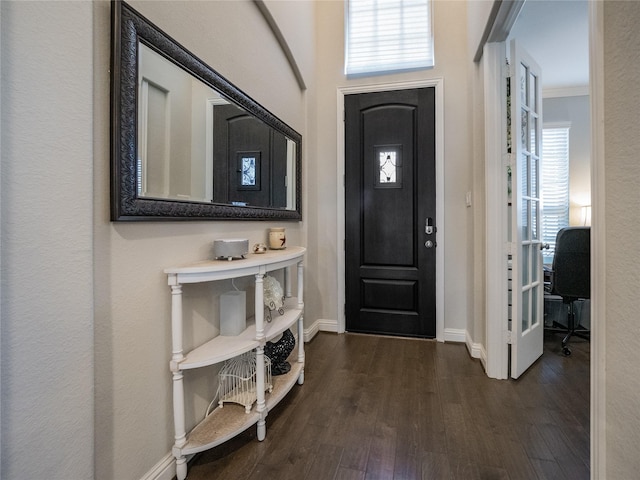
390,189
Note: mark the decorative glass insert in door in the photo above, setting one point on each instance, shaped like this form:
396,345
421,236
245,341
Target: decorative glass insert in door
248,170
388,166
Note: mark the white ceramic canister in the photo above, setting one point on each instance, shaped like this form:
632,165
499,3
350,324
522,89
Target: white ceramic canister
277,238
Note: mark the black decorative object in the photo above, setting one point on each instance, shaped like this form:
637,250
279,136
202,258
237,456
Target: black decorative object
279,351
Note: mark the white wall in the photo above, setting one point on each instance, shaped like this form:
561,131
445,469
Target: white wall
78,287
477,16
453,63
621,232
47,245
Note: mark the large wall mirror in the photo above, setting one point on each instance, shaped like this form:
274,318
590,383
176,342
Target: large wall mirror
185,143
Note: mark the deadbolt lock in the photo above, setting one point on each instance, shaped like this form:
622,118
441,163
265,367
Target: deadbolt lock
429,228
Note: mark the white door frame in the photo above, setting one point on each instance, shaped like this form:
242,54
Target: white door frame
598,230
496,287
440,234
496,345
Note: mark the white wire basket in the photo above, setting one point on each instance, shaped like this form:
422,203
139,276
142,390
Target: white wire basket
237,380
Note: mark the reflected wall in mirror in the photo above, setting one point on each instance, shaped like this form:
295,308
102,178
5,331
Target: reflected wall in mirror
186,143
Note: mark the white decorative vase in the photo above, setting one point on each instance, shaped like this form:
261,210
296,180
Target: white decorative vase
277,238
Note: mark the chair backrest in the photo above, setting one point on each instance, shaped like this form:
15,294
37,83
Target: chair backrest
572,263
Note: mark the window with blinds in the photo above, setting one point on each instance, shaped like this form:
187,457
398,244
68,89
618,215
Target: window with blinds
385,36
555,186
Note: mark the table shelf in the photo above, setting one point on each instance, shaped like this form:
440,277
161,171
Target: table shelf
223,423
222,347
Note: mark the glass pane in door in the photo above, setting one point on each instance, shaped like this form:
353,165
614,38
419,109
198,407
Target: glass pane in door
533,89
523,84
535,234
524,131
525,310
534,305
525,264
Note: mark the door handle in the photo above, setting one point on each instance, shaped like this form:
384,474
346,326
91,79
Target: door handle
430,244
544,246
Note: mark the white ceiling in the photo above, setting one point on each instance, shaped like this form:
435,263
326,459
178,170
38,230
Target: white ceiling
556,35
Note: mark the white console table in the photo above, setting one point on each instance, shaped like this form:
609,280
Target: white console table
225,423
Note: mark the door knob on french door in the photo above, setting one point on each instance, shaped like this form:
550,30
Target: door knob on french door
544,246
429,244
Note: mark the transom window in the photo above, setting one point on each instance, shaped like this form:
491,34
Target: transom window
385,36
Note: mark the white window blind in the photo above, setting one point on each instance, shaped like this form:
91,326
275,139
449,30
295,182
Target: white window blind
555,186
388,35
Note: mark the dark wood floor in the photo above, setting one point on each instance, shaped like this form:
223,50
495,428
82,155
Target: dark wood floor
389,408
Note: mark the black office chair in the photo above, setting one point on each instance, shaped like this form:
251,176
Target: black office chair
571,276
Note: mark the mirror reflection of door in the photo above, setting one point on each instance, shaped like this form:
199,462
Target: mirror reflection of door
250,160
390,248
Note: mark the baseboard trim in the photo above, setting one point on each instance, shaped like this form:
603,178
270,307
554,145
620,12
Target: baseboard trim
320,325
476,350
457,335
165,469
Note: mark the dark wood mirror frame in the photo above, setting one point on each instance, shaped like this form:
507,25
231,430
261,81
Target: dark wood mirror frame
128,29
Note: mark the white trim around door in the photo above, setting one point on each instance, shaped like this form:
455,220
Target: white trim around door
440,234
496,313
598,248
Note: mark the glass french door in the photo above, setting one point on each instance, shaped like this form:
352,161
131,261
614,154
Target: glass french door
527,283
